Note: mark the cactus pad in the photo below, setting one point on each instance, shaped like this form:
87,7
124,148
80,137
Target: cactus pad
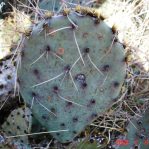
18,123
56,5
72,68
138,135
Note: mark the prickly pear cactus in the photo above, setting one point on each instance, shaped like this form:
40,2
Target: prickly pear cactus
7,79
138,133
18,123
56,5
72,68
11,144
52,5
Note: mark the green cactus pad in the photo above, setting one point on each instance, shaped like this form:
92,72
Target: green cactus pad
52,5
18,123
71,75
56,5
138,134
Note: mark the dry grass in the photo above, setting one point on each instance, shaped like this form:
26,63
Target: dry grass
132,20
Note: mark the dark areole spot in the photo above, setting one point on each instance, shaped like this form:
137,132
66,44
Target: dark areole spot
139,123
9,132
9,77
105,68
56,8
74,132
115,40
91,140
55,89
6,67
94,115
125,59
69,104
116,84
67,68
18,127
22,54
53,110
48,49
36,71
84,85
75,119
62,124
92,101
73,26
124,46
7,123
97,21
18,80
1,86
25,131
57,134
44,117
86,50
33,94
10,92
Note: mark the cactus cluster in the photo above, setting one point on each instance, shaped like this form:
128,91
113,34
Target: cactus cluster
71,71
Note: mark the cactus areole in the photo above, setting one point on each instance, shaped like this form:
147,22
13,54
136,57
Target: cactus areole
71,71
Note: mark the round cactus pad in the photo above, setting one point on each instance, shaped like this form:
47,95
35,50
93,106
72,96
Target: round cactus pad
71,71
